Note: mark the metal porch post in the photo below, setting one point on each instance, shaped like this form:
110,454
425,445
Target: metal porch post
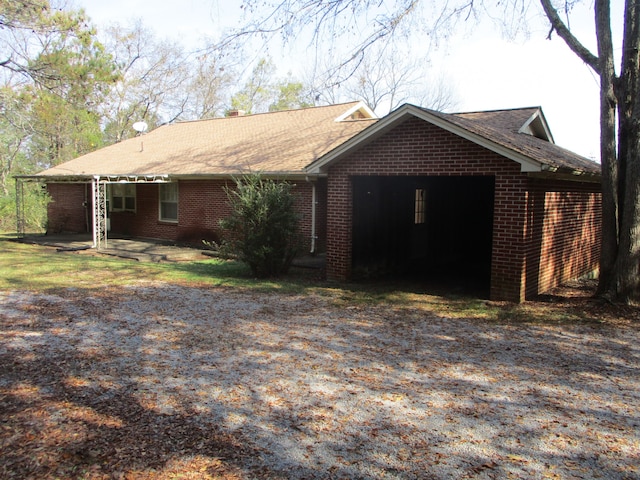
99,191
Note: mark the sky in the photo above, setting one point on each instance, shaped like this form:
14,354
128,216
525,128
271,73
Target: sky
487,71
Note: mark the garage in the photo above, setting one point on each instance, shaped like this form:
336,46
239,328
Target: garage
435,229
481,202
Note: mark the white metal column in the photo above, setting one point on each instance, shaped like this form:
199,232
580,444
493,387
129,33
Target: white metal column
99,191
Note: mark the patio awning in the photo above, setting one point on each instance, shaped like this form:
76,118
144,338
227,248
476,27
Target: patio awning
99,195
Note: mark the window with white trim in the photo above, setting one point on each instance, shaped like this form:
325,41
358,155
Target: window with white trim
122,197
169,202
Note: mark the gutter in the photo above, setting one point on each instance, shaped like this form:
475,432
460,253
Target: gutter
565,174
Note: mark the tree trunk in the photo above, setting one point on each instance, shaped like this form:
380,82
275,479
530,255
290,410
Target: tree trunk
625,282
608,154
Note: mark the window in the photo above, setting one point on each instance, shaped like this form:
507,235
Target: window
420,206
169,202
123,197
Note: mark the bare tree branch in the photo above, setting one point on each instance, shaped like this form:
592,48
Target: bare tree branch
572,42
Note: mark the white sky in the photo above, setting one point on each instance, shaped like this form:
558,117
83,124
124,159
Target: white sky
487,71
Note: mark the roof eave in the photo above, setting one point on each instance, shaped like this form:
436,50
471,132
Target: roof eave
567,174
134,178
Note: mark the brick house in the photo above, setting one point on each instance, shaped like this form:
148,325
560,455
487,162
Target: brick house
483,196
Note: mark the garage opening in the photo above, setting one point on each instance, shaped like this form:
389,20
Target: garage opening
429,229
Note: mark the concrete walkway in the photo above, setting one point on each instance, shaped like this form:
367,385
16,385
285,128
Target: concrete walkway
142,250
145,250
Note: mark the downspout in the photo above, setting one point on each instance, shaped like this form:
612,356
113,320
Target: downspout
313,218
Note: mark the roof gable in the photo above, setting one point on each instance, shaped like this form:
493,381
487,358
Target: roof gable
522,135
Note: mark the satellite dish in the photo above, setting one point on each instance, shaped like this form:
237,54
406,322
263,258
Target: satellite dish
140,127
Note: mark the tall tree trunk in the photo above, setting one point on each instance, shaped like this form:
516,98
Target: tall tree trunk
608,154
625,284
620,257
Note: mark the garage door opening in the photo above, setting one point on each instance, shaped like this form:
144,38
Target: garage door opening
436,230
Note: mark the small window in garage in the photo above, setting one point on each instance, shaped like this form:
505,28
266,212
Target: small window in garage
420,206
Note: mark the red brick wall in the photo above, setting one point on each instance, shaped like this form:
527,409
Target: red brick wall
419,149
67,212
564,233
201,206
321,215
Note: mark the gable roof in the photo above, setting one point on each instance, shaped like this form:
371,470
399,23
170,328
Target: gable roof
278,143
521,135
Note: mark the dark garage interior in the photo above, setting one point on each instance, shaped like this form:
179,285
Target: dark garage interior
432,229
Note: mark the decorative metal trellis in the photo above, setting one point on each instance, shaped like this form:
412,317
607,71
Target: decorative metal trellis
99,190
99,193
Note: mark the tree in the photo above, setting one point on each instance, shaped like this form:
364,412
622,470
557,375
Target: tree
619,97
65,115
212,79
52,58
27,26
258,91
263,92
385,79
14,128
263,225
54,75
291,95
153,86
619,92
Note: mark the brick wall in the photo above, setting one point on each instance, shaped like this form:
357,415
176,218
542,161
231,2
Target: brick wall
563,232
67,212
201,206
416,148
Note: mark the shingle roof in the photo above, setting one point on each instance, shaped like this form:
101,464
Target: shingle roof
503,127
302,141
511,119
271,143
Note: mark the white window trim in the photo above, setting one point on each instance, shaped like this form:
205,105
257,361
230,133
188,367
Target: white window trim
168,220
124,203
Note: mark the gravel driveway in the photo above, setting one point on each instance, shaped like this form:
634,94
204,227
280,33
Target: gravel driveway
141,379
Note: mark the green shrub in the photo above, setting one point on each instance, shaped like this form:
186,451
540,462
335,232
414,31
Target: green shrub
262,230
34,208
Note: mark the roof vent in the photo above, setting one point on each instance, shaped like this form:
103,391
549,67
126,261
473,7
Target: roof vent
537,126
358,112
236,113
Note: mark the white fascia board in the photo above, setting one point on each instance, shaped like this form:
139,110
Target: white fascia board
399,115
